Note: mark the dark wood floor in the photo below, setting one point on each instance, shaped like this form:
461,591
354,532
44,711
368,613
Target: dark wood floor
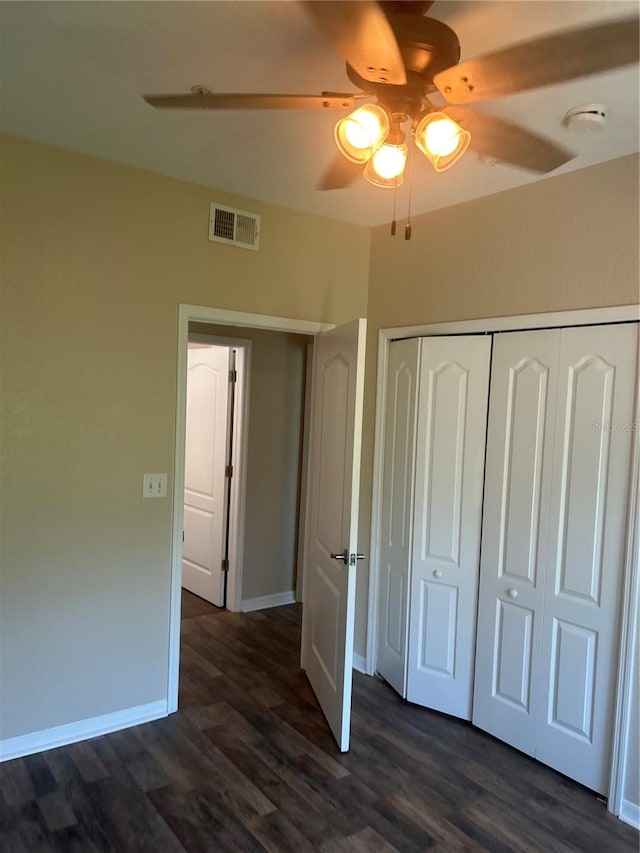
248,763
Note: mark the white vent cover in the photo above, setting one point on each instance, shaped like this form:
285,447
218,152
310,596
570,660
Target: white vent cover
235,227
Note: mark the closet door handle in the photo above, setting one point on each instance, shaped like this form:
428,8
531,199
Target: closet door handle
437,573
512,593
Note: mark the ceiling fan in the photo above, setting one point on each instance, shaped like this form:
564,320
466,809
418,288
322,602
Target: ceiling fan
402,61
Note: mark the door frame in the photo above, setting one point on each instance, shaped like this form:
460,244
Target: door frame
240,441
629,615
220,317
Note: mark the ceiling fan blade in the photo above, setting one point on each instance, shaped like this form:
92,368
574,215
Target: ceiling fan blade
542,61
509,142
229,101
339,174
362,34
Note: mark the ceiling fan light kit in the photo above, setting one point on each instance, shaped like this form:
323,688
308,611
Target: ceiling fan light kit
369,135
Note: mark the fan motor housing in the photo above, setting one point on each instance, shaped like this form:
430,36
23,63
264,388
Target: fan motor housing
427,46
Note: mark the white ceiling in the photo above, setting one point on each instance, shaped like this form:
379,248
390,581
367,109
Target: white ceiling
72,75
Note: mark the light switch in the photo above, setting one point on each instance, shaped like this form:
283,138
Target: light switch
154,485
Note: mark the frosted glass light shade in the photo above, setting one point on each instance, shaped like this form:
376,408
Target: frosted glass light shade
441,140
386,167
360,133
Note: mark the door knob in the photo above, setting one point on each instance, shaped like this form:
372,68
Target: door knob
344,556
437,573
347,558
512,593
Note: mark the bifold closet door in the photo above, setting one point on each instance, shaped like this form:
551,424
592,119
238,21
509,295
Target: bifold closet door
515,533
450,445
556,493
397,510
597,387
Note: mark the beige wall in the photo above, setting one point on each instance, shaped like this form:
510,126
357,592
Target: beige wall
276,405
95,259
562,243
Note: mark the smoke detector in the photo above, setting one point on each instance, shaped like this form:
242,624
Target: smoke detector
589,118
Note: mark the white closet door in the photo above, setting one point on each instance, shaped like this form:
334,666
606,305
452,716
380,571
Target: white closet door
514,534
452,412
596,394
397,510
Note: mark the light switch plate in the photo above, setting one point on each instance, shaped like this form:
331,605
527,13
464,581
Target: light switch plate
154,485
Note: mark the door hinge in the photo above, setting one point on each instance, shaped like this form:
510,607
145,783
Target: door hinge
183,535
228,471
225,565
233,376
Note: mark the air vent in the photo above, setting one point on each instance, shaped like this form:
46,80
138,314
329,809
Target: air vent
235,227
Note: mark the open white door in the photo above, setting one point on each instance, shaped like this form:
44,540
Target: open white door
204,480
332,522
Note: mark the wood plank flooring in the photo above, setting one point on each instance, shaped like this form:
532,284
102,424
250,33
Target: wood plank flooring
248,763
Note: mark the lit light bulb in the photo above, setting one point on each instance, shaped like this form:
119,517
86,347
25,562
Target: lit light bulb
386,167
361,133
362,130
389,160
442,137
441,140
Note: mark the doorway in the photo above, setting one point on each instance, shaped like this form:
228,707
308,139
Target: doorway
208,318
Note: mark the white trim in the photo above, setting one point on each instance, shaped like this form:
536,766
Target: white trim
630,813
360,663
629,616
519,322
17,747
586,317
222,317
265,601
304,469
239,480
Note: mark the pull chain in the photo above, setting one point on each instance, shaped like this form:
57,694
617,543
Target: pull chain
393,218
407,229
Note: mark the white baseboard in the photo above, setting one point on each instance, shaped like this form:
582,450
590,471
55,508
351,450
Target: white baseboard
16,747
630,813
265,601
360,663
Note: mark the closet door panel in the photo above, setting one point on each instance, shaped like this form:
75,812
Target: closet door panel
597,388
454,377
397,509
514,534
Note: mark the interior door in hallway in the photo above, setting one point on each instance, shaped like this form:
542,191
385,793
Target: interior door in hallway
205,463
328,614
